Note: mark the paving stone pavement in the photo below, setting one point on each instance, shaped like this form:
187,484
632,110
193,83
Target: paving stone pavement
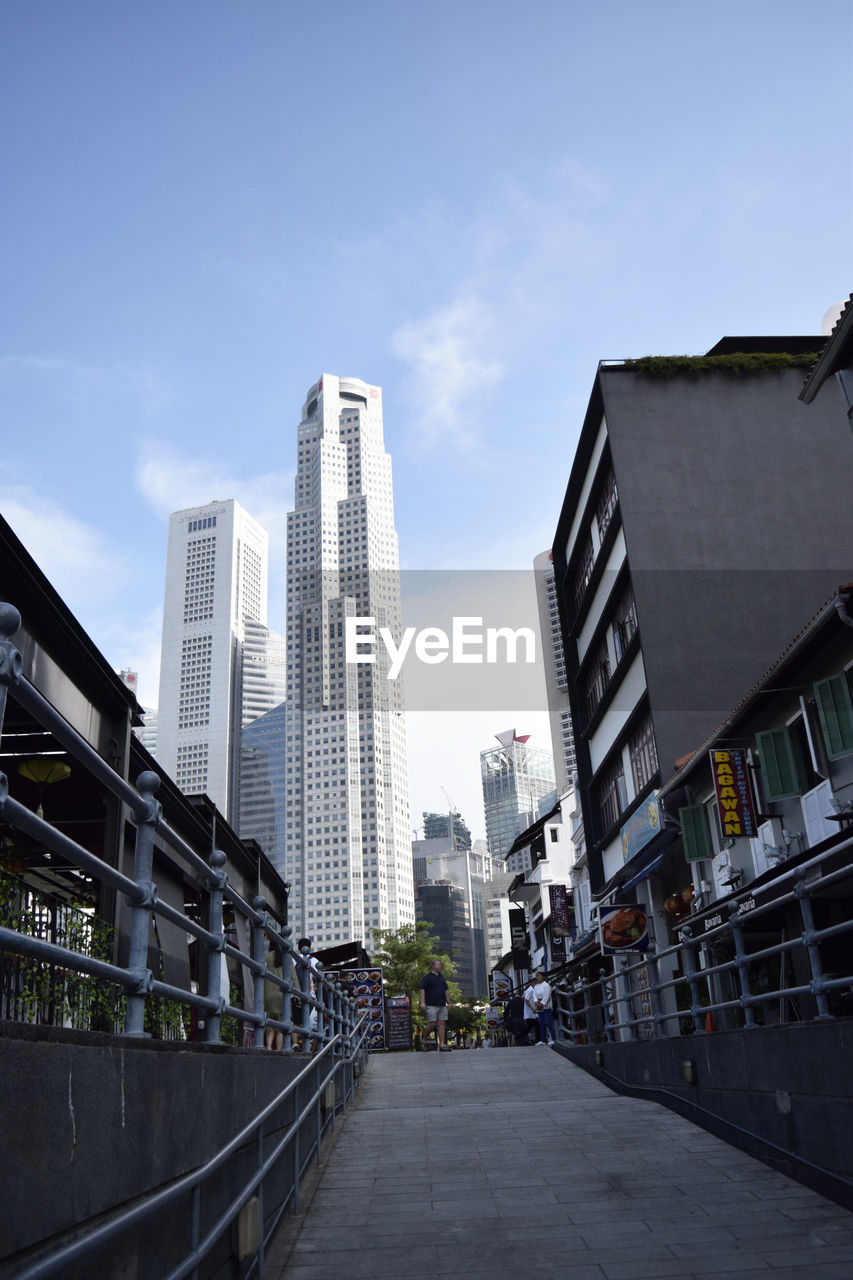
514,1162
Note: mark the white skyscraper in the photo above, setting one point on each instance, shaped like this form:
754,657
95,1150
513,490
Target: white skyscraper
556,684
214,610
348,844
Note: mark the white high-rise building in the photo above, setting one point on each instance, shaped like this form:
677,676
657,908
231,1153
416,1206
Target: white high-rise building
348,844
556,684
214,614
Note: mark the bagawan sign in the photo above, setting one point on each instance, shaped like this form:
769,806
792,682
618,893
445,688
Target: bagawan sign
734,794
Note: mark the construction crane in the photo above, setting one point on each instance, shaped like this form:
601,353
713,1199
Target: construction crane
454,812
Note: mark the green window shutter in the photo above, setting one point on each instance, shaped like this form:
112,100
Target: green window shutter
835,708
779,771
695,833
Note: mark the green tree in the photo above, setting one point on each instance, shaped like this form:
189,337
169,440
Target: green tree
405,955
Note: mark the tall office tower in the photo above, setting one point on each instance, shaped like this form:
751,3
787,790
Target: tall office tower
348,844
556,684
216,586
147,731
516,778
263,782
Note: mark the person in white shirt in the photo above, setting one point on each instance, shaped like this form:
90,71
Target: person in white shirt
541,993
531,1017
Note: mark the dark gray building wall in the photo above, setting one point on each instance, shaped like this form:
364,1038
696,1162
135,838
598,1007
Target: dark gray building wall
738,525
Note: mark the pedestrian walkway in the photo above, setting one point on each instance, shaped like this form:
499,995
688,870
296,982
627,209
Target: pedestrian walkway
513,1162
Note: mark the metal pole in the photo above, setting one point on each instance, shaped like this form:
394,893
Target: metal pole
801,889
11,662
258,979
742,965
142,904
691,969
216,882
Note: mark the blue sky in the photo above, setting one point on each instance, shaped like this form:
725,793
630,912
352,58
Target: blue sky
206,205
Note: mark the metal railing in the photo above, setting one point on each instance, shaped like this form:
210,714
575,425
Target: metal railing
328,1016
326,1012
729,977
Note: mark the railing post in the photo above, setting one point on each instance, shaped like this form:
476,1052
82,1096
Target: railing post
216,882
142,904
605,1003
801,889
742,965
258,980
691,970
304,973
653,971
11,662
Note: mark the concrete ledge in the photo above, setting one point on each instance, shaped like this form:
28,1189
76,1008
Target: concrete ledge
93,1122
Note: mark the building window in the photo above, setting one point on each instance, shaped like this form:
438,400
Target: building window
606,504
612,794
644,756
583,572
597,679
624,622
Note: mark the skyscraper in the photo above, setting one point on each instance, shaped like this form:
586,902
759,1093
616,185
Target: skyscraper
214,609
556,684
515,779
348,850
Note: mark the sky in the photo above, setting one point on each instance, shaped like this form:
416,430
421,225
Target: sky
207,205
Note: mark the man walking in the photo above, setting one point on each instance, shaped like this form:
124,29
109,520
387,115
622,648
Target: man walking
434,1004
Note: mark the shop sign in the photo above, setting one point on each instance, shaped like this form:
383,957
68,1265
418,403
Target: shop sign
398,1022
734,794
561,916
640,828
623,927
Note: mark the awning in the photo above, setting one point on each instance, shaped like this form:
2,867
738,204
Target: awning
535,829
642,864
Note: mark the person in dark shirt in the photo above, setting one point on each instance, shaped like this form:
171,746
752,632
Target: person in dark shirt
434,1004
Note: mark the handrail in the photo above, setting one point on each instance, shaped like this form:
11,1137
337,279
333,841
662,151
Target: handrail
335,1011
639,993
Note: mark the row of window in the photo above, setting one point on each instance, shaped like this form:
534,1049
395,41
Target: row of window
612,789
611,649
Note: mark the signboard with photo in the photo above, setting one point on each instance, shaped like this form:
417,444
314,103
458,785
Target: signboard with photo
623,927
367,987
501,985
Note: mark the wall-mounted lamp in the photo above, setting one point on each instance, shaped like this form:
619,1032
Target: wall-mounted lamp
598,1057
688,1071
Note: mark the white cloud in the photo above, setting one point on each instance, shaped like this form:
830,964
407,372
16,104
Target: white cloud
75,557
450,364
513,263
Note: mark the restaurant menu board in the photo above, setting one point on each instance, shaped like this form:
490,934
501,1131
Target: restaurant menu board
398,1016
366,987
